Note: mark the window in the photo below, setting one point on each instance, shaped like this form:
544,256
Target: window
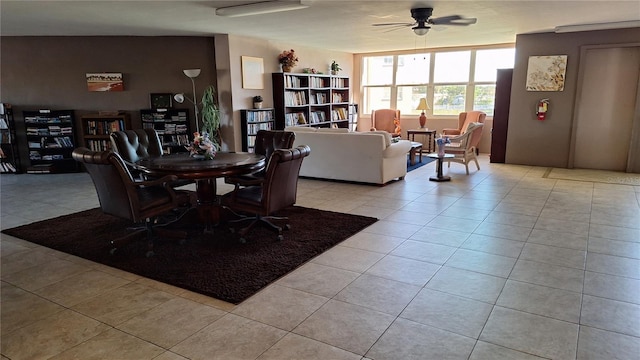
452,81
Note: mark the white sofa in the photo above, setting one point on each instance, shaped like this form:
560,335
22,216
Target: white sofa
337,154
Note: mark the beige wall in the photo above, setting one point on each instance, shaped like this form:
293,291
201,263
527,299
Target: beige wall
548,143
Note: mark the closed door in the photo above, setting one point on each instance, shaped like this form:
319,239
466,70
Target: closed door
606,109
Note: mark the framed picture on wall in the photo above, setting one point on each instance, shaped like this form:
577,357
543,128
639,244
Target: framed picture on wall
161,101
252,72
105,82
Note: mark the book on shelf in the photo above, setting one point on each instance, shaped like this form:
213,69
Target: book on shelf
40,169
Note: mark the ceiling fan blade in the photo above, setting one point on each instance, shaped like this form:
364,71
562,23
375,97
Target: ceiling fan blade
444,19
394,24
459,21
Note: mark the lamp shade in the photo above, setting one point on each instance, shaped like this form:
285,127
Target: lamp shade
421,30
423,105
192,73
179,98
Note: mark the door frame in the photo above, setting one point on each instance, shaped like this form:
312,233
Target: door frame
635,132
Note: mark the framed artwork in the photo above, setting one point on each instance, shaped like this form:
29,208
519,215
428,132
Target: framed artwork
161,101
546,73
252,72
105,82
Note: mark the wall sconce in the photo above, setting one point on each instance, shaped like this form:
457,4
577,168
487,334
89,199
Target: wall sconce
179,98
423,106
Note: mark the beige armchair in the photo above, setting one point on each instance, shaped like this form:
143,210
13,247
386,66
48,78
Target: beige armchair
383,120
464,119
463,147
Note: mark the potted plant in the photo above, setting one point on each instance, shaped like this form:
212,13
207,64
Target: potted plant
257,102
335,67
211,116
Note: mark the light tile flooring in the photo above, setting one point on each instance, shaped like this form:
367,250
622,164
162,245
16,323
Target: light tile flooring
500,264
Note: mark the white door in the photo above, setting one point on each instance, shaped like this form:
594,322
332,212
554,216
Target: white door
606,109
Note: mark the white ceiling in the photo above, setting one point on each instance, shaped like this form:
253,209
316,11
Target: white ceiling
328,24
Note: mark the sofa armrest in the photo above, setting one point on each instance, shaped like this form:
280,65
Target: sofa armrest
400,148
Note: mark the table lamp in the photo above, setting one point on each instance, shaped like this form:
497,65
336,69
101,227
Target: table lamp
423,106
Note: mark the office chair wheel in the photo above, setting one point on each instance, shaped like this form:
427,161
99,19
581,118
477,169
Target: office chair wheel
242,240
113,251
149,253
287,227
280,237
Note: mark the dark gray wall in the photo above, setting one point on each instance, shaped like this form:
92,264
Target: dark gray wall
548,143
49,72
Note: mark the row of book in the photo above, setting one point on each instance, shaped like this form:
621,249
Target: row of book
99,145
338,83
292,119
318,98
104,127
35,155
339,114
175,128
7,167
292,81
51,130
316,82
295,98
253,116
317,117
56,142
47,119
337,97
252,129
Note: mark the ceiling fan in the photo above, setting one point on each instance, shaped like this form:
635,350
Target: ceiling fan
424,21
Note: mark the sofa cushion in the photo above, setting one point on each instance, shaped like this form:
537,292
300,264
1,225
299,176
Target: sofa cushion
387,136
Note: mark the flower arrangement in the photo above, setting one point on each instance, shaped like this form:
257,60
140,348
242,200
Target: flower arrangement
257,98
288,58
202,146
441,142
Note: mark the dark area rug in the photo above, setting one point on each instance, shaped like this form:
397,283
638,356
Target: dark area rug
215,264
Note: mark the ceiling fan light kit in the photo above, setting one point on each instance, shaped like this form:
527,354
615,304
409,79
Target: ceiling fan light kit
263,7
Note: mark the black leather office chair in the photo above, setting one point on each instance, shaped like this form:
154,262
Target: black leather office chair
267,141
139,201
133,145
277,191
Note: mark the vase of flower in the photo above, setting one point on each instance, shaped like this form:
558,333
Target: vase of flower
441,142
202,147
288,60
257,102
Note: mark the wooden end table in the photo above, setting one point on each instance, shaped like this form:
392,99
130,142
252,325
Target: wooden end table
415,151
430,134
439,177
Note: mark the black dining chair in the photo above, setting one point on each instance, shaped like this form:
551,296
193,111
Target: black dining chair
277,191
142,202
267,141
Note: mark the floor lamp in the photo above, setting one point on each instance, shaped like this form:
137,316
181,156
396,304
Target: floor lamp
179,98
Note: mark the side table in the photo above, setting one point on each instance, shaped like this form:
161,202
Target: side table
415,151
439,177
430,134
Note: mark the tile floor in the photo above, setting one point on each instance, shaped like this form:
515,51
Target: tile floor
500,264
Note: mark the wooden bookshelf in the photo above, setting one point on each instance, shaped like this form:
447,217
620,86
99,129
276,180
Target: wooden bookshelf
50,141
310,100
254,120
96,129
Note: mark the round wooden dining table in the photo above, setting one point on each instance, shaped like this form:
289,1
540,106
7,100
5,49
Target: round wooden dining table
205,173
